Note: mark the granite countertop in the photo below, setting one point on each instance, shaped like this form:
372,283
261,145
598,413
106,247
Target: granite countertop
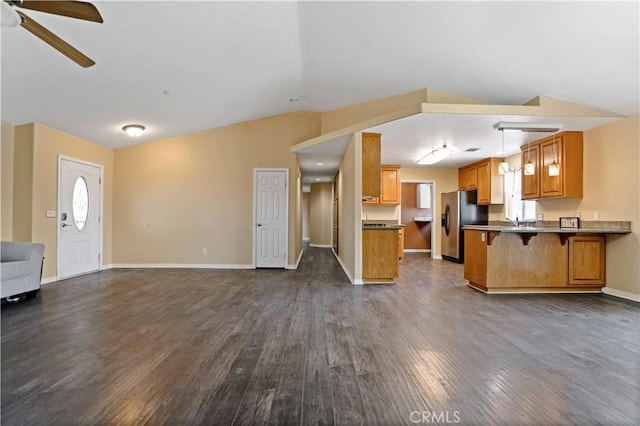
381,225
591,227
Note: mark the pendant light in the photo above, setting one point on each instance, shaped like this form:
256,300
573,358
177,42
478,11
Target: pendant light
554,168
503,166
529,167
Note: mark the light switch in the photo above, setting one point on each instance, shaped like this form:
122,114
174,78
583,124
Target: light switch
483,237
51,213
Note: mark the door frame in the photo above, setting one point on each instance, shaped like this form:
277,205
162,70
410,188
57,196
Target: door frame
286,213
100,212
433,203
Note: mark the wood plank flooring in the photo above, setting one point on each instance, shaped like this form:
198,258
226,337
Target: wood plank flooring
189,347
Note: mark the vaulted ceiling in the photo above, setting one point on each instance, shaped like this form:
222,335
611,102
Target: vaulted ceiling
180,67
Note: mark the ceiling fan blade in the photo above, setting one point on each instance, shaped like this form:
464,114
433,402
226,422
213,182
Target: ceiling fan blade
54,41
72,9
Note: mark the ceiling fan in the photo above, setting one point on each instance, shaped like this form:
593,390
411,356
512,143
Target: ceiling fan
72,9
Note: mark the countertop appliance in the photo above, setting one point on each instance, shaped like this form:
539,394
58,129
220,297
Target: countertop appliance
459,208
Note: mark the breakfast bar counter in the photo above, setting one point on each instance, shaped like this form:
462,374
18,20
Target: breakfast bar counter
540,259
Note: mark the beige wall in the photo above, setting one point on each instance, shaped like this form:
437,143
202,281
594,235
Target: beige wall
23,183
446,180
344,117
305,216
6,155
320,211
380,212
48,143
176,196
349,209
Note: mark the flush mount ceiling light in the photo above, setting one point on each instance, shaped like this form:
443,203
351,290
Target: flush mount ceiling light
133,130
527,127
436,155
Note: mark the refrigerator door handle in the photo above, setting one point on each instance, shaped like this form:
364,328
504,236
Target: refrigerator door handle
446,224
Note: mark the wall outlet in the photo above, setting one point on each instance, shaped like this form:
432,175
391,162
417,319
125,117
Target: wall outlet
578,215
51,213
540,216
204,251
498,217
596,216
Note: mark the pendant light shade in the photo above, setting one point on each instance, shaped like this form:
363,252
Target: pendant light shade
529,169
503,168
554,168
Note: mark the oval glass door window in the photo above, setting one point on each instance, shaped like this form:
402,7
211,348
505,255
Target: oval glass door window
80,203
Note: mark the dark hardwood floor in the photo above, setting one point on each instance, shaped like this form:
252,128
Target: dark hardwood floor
186,347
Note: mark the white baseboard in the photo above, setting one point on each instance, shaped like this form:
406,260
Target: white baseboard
183,265
621,293
297,261
321,245
305,238
48,280
437,257
417,250
346,271
105,267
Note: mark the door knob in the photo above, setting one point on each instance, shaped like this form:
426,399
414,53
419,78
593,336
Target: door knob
259,224
65,224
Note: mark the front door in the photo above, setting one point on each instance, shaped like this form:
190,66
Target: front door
271,218
79,221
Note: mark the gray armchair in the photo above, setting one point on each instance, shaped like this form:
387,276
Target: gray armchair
21,269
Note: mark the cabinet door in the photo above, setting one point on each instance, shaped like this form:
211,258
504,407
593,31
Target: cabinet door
463,179
587,260
484,182
379,254
472,178
530,183
390,185
370,164
550,151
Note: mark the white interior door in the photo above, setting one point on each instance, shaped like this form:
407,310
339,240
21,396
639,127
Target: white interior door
79,221
271,218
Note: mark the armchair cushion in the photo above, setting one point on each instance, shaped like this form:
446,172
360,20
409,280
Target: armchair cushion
21,267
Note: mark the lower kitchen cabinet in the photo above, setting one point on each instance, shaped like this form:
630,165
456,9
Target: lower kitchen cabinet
587,260
379,255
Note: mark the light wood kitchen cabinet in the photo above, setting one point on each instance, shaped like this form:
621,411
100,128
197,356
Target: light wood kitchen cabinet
490,182
483,176
530,183
389,187
564,148
587,260
379,255
468,177
400,243
371,165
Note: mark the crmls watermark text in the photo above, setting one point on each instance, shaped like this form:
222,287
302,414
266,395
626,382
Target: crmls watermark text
437,417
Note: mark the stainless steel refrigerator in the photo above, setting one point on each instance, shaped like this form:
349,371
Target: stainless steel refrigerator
459,208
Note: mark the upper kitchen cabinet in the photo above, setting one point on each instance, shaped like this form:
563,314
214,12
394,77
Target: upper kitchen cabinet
564,150
490,182
389,187
370,165
483,176
468,177
530,184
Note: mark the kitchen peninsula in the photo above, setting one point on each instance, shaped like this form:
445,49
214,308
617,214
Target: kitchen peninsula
542,258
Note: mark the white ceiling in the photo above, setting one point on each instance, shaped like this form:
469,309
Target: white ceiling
180,67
